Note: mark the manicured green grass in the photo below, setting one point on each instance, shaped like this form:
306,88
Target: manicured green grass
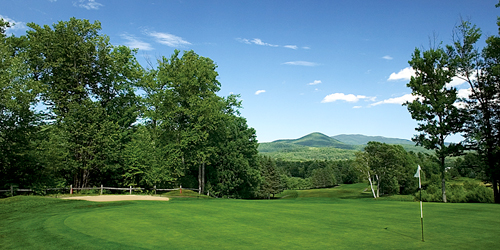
313,219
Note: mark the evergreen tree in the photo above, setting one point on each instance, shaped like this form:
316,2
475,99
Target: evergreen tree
271,184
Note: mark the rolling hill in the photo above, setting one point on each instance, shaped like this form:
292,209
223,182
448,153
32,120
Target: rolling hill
318,146
358,139
317,140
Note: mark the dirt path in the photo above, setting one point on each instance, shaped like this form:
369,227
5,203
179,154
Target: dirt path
102,198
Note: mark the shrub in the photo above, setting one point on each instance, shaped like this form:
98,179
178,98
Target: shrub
480,194
469,191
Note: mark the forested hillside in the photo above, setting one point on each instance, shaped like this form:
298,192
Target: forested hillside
357,139
317,140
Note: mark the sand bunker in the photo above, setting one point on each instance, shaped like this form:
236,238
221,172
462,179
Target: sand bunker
102,198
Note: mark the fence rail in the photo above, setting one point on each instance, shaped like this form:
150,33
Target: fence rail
71,188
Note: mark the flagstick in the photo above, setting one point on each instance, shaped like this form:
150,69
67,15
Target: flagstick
421,211
421,215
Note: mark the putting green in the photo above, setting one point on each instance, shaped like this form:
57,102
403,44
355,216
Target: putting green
303,223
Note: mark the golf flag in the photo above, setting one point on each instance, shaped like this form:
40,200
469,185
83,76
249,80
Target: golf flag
417,175
421,210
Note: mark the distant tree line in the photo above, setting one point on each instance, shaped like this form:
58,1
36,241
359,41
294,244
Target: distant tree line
75,109
388,170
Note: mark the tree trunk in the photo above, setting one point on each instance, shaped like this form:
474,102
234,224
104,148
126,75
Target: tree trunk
371,185
496,196
203,178
443,181
199,179
378,186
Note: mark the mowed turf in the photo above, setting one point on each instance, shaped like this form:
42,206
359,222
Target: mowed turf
336,218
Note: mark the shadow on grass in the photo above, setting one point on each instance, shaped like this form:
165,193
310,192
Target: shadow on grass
388,230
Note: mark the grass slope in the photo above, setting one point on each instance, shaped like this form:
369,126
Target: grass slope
314,219
303,153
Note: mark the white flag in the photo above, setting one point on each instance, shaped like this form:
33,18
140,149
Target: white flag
418,176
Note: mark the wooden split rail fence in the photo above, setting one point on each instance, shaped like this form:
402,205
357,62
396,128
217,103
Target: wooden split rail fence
71,189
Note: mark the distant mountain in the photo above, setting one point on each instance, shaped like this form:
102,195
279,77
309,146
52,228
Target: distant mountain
358,139
317,140
318,146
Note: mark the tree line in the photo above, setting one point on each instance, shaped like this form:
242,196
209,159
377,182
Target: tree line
78,110
388,170
442,112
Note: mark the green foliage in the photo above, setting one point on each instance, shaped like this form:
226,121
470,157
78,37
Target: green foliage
390,167
465,190
434,105
19,122
271,183
180,132
294,183
200,136
309,153
470,165
480,69
323,177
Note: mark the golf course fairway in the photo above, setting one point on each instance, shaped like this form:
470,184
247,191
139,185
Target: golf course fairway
300,222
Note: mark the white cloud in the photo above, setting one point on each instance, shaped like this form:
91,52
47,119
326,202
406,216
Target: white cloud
344,97
301,63
315,82
260,42
404,74
15,25
88,4
387,57
357,107
291,46
243,40
460,105
455,81
133,42
464,93
260,92
168,39
396,100
52,1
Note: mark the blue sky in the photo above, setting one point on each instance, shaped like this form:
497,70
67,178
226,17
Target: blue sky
336,67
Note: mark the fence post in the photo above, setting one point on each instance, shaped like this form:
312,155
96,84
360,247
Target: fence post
180,188
11,191
155,189
130,189
101,189
71,189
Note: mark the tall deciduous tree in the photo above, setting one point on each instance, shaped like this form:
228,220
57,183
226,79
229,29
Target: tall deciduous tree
482,72
18,120
89,90
183,108
384,164
434,106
